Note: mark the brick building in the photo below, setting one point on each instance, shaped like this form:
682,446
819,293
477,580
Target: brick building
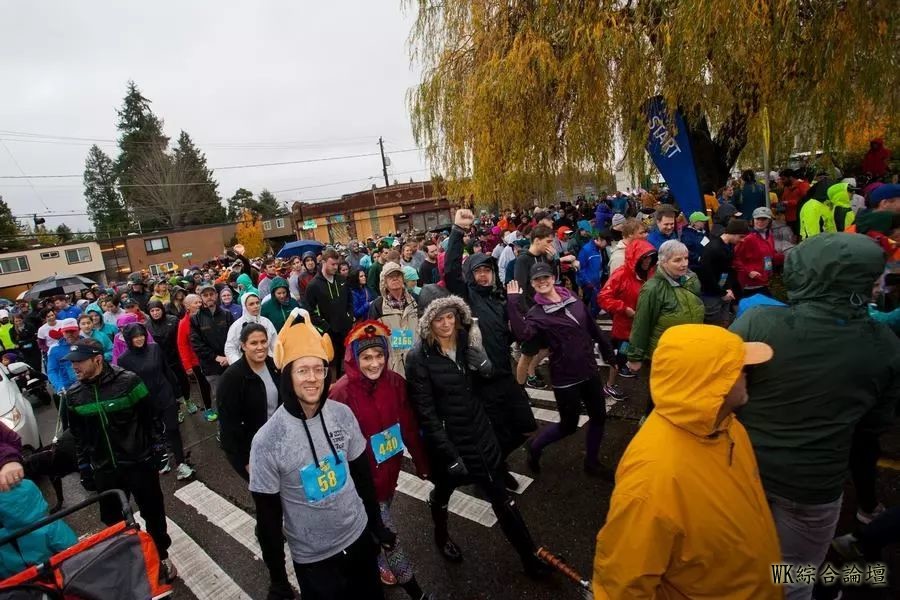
373,213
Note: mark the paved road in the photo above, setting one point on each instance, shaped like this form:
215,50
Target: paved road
211,517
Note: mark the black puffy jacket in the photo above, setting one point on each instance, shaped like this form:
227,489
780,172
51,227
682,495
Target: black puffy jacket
165,333
451,415
488,303
209,332
149,363
112,420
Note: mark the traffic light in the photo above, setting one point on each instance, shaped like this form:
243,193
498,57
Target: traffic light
38,221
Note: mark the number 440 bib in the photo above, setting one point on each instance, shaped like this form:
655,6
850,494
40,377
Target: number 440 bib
387,443
323,480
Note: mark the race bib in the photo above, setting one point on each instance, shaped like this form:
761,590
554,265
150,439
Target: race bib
326,478
767,264
387,444
401,339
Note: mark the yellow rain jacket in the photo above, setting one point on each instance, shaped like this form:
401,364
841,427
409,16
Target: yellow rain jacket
688,517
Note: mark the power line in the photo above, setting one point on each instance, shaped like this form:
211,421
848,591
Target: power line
231,167
22,171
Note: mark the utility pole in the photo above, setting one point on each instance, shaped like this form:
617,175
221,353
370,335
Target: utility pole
383,162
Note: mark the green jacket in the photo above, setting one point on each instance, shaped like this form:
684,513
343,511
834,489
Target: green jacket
839,201
815,218
833,368
661,304
276,311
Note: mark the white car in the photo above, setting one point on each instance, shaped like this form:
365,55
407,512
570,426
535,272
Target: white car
15,410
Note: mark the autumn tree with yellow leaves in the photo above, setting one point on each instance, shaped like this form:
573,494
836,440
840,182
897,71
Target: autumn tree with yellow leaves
517,93
249,233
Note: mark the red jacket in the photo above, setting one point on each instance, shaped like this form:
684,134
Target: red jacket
791,197
377,405
750,255
623,287
188,357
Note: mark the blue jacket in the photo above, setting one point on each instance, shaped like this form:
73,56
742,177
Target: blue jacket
592,265
362,298
692,238
73,312
20,507
620,204
657,238
105,341
59,369
603,216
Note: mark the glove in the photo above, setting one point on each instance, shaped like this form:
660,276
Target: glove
458,469
87,478
385,537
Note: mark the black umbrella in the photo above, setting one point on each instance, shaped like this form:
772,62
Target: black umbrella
58,284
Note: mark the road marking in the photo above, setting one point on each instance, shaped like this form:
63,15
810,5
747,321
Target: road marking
464,505
524,480
551,416
545,395
205,578
230,519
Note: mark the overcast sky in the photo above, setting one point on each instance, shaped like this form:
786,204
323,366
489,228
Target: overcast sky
251,82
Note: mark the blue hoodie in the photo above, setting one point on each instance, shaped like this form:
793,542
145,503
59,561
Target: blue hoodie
603,216
19,507
591,260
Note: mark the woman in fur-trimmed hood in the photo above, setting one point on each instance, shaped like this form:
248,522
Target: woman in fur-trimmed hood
457,433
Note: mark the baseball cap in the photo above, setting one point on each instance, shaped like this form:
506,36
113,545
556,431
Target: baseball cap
737,227
618,220
68,325
541,269
205,286
128,302
884,192
698,216
4,314
83,350
762,212
756,353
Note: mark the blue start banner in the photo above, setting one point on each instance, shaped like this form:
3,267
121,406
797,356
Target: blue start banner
670,149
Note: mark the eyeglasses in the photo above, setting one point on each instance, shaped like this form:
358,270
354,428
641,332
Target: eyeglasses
311,372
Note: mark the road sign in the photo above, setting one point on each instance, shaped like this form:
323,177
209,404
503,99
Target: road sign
309,224
187,254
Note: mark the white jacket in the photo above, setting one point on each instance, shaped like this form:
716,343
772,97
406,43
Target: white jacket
233,341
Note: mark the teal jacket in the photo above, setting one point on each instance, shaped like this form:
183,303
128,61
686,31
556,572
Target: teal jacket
19,507
276,311
834,368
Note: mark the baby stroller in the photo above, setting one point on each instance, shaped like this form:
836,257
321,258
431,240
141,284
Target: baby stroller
119,562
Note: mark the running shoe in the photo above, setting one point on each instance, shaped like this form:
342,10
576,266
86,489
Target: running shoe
191,407
167,571
626,373
387,577
867,517
535,383
184,471
165,468
210,415
181,414
847,546
614,392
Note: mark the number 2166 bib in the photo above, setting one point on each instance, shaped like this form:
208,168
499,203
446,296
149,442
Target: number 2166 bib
326,478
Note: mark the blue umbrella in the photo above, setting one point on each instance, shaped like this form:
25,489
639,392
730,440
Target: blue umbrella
299,248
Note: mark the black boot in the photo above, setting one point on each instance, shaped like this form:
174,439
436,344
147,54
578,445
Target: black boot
447,547
509,481
516,531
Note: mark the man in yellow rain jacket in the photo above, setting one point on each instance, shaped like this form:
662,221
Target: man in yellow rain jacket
688,517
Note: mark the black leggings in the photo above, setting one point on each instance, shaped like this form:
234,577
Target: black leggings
142,482
205,388
351,573
169,418
184,384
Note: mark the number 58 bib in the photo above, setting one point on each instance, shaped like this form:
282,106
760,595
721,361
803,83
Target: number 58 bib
326,478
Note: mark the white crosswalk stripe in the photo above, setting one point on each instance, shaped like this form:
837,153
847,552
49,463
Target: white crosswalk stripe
551,416
547,396
464,505
229,518
524,480
203,576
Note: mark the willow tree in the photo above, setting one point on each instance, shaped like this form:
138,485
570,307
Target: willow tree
518,93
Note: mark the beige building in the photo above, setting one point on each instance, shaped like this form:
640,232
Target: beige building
21,269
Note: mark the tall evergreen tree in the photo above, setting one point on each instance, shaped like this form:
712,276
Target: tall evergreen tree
104,203
141,135
267,206
9,229
190,163
241,199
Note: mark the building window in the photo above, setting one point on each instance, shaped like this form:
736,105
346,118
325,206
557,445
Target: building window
267,225
161,269
49,255
279,223
16,264
156,245
78,255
